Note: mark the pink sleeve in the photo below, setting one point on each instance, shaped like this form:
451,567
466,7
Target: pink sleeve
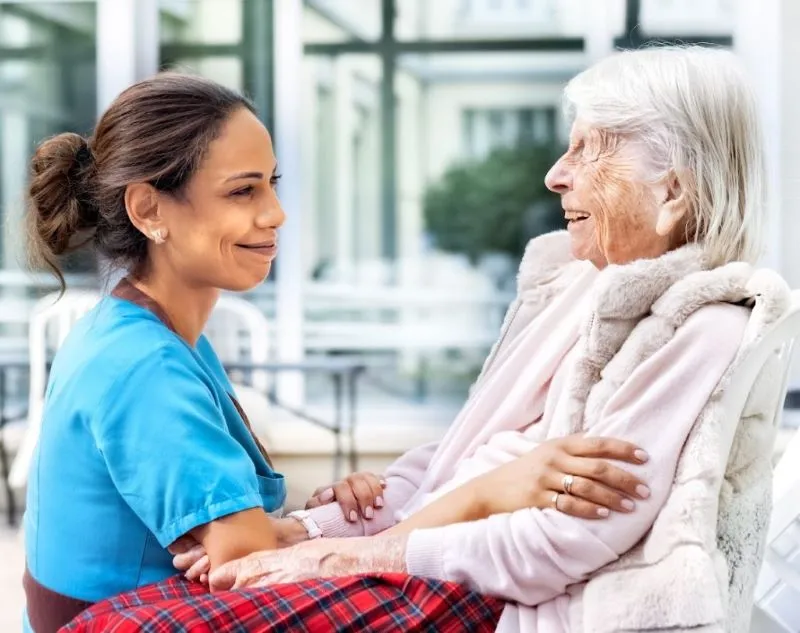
403,478
531,556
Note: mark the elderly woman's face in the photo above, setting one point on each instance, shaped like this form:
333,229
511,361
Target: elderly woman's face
611,209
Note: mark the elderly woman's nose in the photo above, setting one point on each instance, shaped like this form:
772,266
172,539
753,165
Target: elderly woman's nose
559,178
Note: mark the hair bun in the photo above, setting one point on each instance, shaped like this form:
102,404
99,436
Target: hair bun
60,190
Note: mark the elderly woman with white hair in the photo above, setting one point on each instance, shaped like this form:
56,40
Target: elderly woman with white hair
625,326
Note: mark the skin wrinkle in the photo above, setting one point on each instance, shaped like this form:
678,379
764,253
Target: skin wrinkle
321,558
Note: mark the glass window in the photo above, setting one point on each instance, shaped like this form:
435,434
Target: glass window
47,86
201,21
488,130
486,19
327,21
229,41
421,211
687,17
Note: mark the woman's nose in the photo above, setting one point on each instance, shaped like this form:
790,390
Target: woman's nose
271,216
559,178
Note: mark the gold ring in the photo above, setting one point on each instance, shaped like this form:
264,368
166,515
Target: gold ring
555,500
568,481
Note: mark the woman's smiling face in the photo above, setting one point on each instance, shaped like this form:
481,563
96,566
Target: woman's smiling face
611,208
223,230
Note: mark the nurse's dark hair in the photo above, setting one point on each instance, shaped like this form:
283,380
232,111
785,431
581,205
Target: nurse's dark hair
157,131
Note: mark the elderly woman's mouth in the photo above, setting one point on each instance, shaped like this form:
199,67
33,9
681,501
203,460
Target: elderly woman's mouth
575,216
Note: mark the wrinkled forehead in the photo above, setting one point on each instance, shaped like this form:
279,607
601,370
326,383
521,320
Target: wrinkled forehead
582,130
625,147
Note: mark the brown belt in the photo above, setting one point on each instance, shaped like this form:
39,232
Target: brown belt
49,610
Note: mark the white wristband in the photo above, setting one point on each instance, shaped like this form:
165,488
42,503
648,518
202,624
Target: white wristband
304,516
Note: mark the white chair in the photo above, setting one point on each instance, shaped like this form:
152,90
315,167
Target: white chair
777,595
239,333
51,320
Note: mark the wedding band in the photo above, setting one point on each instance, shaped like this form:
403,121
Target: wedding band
555,500
568,481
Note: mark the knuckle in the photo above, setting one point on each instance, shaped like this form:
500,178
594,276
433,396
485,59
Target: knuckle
627,483
599,469
596,444
609,499
581,487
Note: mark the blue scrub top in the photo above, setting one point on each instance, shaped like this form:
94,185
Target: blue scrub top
140,443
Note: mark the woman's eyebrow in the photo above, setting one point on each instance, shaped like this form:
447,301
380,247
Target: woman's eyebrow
246,175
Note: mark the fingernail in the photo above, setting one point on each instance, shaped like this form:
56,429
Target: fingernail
326,495
378,502
368,512
643,491
641,455
383,483
628,504
603,512
353,516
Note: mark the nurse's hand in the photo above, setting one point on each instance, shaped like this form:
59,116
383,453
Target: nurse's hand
190,557
360,493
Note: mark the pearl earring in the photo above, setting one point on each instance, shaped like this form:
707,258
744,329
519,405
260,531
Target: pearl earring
158,236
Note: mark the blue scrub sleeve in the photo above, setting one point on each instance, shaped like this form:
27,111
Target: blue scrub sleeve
167,447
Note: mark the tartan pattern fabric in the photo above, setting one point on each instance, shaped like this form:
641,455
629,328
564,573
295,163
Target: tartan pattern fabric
387,602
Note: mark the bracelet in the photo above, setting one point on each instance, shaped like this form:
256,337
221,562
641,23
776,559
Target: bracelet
304,516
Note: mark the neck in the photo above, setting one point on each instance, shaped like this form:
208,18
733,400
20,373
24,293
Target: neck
187,307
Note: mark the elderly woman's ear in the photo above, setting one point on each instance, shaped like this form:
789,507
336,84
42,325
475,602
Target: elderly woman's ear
672,213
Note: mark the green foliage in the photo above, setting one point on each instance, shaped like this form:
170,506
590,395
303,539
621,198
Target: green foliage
495,205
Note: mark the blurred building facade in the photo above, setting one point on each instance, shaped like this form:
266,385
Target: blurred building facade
371,103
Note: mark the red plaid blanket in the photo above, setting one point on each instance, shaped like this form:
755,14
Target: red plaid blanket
389,602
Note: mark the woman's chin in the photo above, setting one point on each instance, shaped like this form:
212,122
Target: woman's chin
581,248
247,280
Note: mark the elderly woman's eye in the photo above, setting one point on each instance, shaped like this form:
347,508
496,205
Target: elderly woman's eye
591,151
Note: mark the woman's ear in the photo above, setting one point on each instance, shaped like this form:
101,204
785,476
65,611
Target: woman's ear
141,203
673,209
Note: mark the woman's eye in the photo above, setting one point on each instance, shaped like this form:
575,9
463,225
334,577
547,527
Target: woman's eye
274,180
591,151
243,192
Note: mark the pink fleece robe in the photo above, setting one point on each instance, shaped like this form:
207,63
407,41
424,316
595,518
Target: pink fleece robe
531,557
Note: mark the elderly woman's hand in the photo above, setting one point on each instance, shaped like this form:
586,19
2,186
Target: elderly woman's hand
320,558
571,474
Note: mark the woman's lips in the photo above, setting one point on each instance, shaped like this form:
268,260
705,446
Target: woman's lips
575,216
265,249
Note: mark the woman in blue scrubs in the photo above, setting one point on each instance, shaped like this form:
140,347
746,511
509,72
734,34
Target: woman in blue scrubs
142,441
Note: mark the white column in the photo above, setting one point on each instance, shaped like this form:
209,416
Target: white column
760,44
291,275
766,39
15,152
127,46
600,19
344,116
